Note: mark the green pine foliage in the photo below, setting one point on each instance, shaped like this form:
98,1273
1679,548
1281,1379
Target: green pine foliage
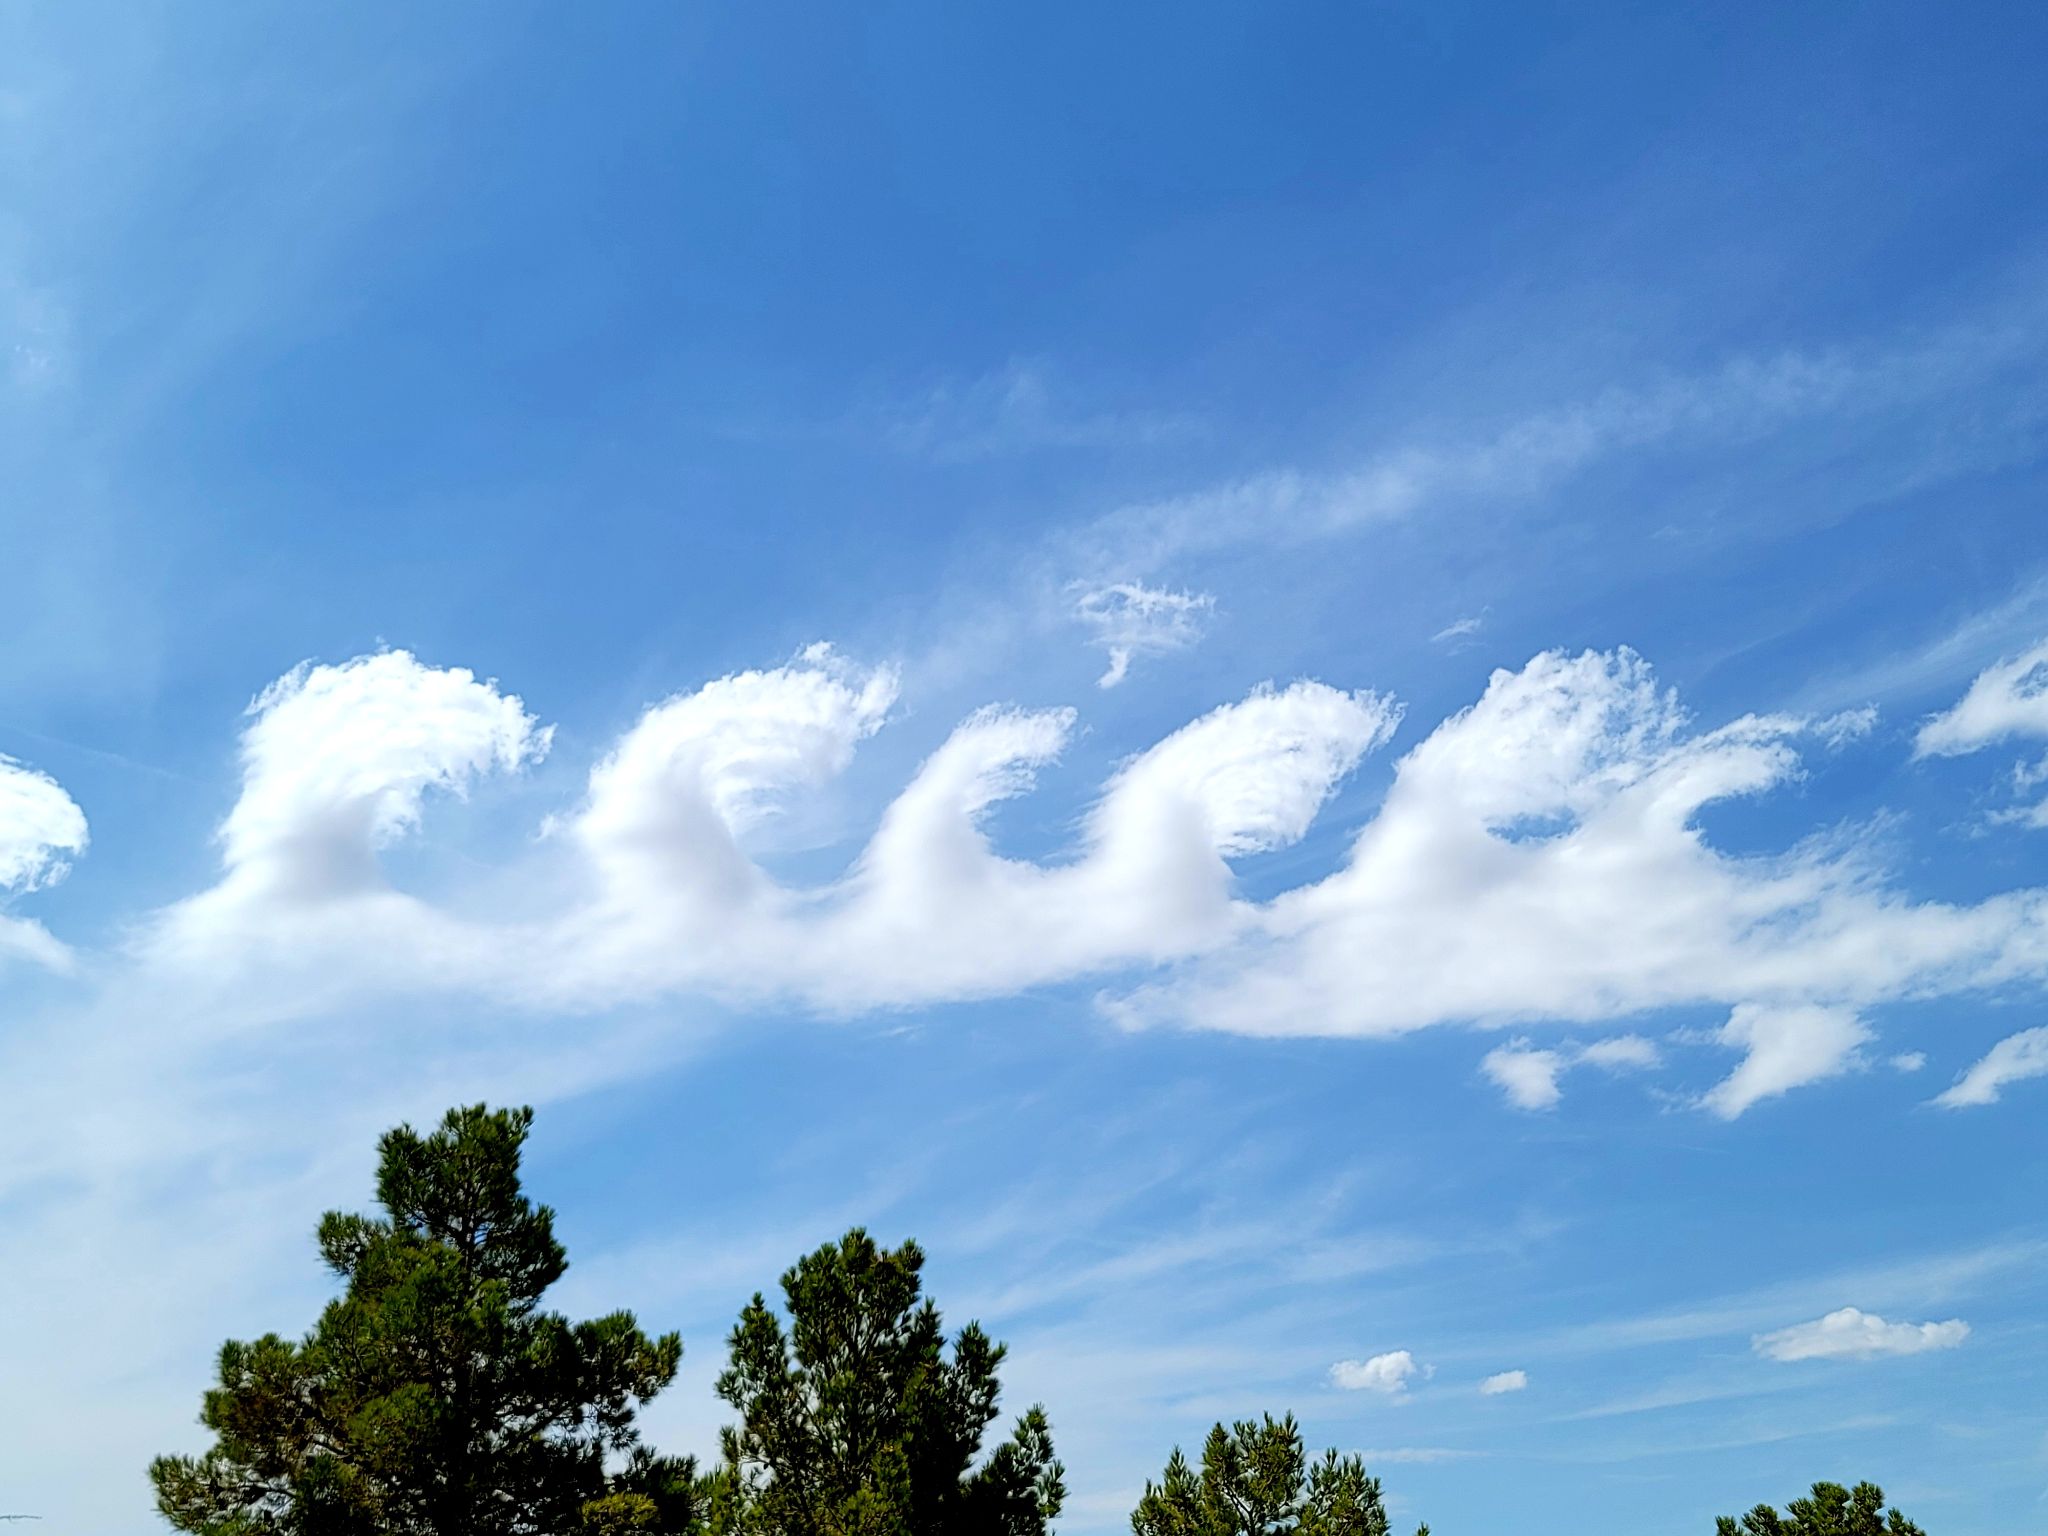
1256,1480
434,1396
854,1421
1831,1510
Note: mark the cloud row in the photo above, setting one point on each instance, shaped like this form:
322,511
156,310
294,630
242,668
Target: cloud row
1528,1073
1391,1374
1538,857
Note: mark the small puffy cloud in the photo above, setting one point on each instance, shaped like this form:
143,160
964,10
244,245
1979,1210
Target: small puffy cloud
1387,1374
2004,701
1786,1048
2013,1059
1506,1381
1528,1076
1129,619
1908,1061
1850,1334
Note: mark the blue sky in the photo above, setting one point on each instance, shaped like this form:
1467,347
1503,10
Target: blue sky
1350,697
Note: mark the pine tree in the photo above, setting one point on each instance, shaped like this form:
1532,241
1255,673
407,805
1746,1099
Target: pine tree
1831,1510
855,1422
434,1397
1256,1480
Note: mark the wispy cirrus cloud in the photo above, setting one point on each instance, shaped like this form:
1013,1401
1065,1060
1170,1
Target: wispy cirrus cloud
1129,619
1016,409
1906,381
1459,630
1415,1455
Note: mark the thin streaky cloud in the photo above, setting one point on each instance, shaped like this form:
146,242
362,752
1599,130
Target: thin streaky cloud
1745,399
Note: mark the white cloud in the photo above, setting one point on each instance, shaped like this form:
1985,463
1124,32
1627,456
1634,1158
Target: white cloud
1506,1381
1538,857
1908,1061
337,764
930,910
338,759
1535,858
1460,629
1130,619
1839,729
1388,1374
662,888
2013,1059
1787,1048
1623,1053
39,825
1849,1334
1745,399
670,807
2005,700
1527,1075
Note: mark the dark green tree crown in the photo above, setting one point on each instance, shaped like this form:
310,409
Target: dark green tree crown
855,1419
1831,1510
1256,1480
434,1397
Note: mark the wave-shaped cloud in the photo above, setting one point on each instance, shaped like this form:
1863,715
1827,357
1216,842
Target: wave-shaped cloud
1537,856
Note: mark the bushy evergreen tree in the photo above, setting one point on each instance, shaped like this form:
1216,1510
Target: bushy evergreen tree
1831,1510
1256,1480
854,1422
434,1396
